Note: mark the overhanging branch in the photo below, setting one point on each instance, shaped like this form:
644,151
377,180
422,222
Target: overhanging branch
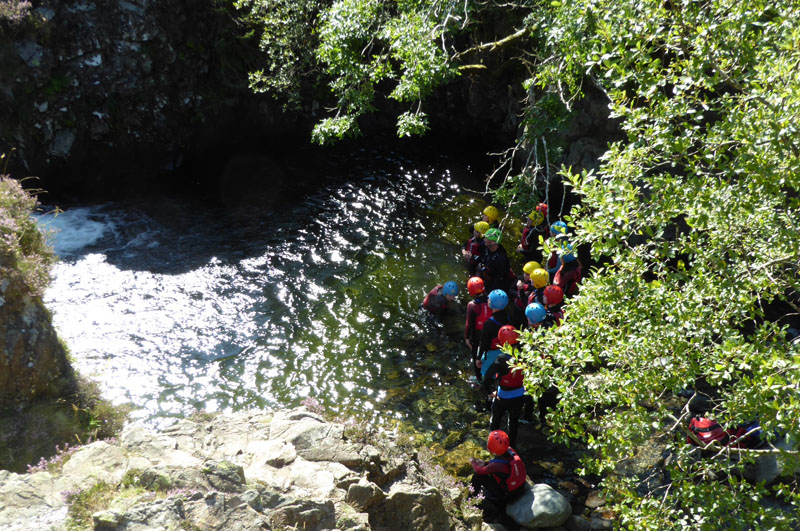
492,46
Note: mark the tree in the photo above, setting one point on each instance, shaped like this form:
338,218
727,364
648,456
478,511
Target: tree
693,220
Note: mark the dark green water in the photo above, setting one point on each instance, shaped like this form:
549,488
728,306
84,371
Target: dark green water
175,306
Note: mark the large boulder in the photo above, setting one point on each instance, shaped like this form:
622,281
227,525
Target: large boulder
539,506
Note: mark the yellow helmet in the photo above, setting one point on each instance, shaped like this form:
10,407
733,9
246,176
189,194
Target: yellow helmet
492,213
481,227
540,278
537,217
530,267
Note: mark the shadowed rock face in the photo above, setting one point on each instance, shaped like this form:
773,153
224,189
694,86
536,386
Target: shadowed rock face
33,364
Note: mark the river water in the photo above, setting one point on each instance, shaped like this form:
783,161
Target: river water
175,306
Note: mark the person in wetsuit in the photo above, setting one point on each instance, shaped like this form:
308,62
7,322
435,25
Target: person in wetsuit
494,267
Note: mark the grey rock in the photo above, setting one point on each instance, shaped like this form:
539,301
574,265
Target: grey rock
408,507
539,506
224,476
31,53
62,143
304,514
364,494
578,523
106,519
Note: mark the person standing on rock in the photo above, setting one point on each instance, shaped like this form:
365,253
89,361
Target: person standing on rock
499,479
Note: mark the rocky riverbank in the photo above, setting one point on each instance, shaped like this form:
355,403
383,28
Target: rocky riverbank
249,470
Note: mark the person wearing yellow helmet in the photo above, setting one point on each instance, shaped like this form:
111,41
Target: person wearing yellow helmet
525,285
490,216
540,278
534,227
474,248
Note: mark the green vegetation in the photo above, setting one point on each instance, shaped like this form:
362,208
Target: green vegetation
23,249
692,220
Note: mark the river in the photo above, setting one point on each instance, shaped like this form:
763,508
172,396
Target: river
176,306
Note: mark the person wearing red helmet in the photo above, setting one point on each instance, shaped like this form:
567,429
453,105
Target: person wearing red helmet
500,479
504,384
553,297
478,312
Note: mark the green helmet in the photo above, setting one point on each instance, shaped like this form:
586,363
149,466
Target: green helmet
493,235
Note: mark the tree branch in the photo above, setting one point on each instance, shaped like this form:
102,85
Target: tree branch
492,46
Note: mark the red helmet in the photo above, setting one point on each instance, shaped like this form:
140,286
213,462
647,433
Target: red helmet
475,286
541,207
507,335
498,442
554,295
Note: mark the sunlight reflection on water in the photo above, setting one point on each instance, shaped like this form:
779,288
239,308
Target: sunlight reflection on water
207,309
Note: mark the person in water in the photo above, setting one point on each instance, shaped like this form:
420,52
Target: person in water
537,316
525,285
504,384
478,312
539,278
499,480
489,347
438,300
553,302
474,248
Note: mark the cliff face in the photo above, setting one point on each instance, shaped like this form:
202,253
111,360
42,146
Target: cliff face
119,86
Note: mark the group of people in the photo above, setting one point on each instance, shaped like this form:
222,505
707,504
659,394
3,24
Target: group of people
502,305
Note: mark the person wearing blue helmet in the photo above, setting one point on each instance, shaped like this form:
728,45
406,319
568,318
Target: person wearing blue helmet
558,234
537,317
489,346
536,314
438,300
570,272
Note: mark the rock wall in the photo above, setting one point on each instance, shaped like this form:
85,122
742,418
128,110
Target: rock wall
122,87
33,363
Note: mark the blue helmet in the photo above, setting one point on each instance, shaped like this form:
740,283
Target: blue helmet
498,299
450,288
559,227
567,252
535,313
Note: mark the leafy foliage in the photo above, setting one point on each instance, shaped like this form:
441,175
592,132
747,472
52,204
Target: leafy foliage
287,42
694,219
366,42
